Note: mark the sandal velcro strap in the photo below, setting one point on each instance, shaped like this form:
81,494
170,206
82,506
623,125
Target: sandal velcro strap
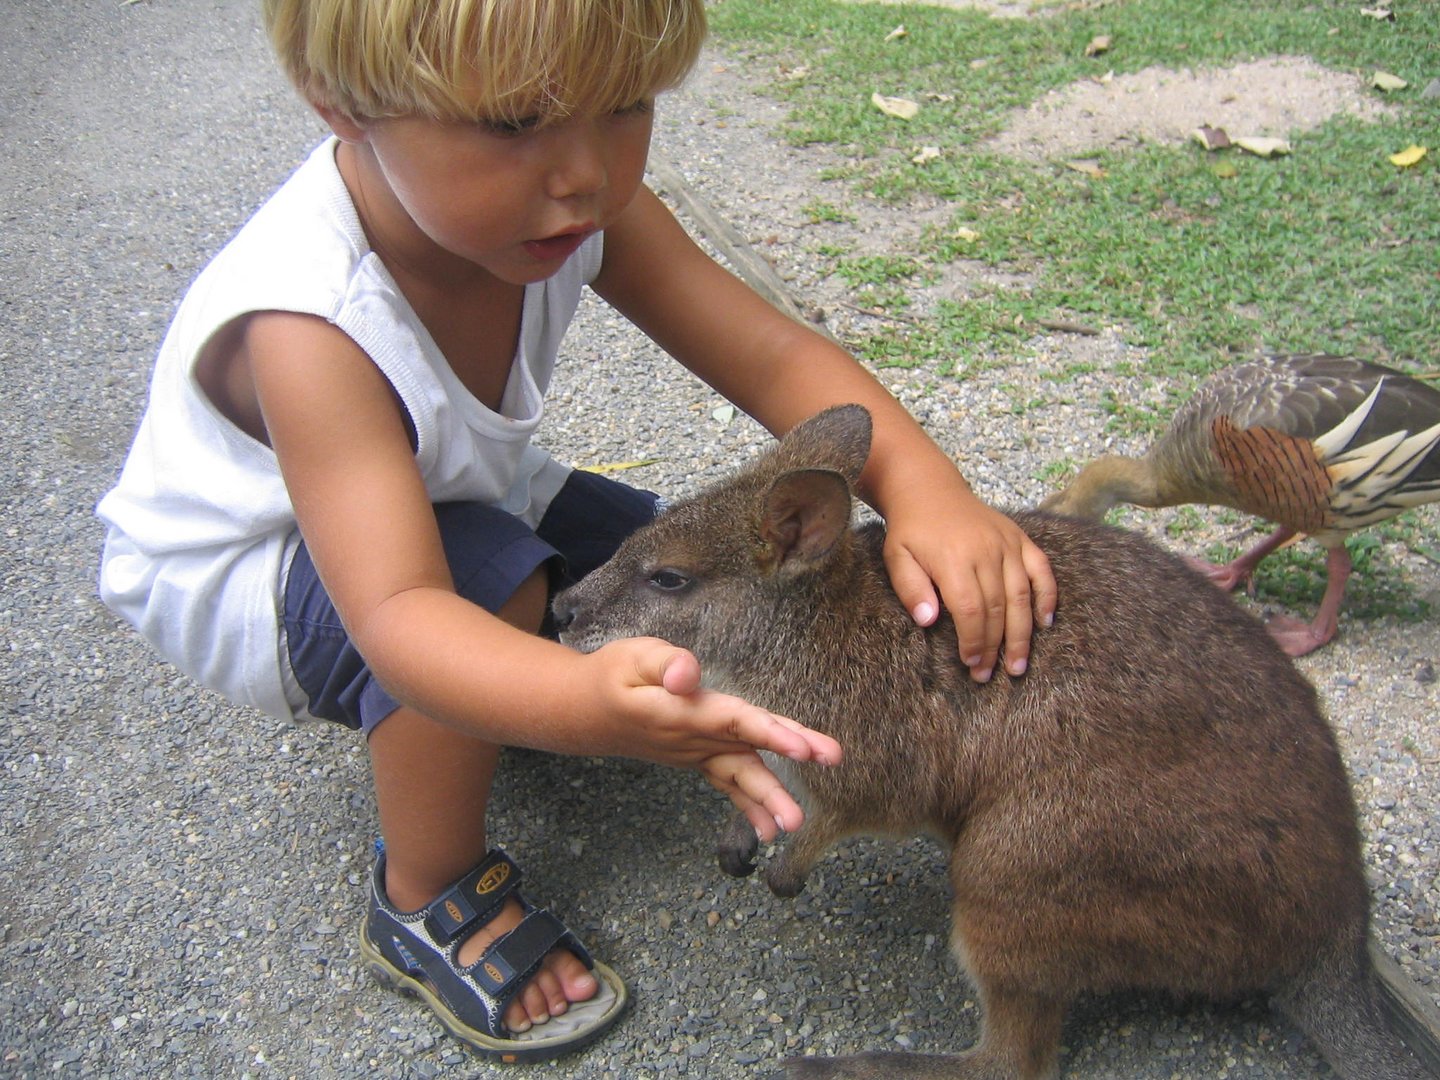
513,957
474,899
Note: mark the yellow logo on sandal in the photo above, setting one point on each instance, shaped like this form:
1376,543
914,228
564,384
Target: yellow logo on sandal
494,973
453,910
493,878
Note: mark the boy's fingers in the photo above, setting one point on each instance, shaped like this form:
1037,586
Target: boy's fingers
756,792
913,586
781,735
1019,619
823,749
679,672
979,615
1045,593
734,719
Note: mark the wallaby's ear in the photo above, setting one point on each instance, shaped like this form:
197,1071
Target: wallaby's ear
803,515
838,438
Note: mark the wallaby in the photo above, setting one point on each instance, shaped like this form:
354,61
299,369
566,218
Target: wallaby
1158,804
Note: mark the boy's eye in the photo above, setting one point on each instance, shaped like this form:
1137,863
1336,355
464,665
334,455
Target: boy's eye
638,108
510,128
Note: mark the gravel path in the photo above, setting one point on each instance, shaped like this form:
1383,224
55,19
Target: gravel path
180,880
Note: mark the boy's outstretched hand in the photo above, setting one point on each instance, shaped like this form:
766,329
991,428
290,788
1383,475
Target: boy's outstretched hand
672,719
991,577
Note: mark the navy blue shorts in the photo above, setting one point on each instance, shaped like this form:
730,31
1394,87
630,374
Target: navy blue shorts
491,553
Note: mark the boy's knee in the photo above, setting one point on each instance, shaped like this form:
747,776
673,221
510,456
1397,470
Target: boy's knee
527,605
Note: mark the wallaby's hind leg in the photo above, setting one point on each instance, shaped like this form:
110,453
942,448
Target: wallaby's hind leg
1019,1040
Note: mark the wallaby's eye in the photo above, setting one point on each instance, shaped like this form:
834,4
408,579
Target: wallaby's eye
667,580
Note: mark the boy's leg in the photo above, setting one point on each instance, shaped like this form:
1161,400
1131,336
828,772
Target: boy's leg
433,783
432,787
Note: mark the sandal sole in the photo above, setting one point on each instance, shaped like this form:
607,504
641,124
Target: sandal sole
513,1050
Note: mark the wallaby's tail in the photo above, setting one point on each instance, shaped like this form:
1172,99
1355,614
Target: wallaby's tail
1338,1004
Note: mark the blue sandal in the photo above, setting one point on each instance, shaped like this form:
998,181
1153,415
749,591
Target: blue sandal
415,952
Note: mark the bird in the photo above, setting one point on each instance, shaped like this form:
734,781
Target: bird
1319,445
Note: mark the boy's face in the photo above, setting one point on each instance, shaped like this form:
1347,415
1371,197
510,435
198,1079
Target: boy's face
515,201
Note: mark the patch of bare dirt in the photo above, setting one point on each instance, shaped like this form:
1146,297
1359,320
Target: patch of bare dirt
1278,96
999,9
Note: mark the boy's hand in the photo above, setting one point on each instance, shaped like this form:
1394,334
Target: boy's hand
993,580
669,718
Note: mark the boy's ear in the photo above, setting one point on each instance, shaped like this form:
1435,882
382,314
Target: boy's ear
345,126
803,516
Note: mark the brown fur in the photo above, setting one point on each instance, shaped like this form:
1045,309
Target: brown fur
1158,804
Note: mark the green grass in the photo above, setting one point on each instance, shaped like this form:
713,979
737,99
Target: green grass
1330,248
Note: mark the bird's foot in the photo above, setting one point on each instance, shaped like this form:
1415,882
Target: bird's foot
1228,577
1295,637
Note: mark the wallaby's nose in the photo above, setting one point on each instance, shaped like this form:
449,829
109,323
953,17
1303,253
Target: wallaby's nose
562,612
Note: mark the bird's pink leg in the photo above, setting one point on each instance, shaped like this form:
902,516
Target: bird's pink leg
1298,638
1232,574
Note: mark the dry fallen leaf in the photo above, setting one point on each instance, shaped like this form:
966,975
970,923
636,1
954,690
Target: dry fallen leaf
967,236
898,32
1225,170
926,153
1383,80
1089,166
1098,44
1382,13
618,466
901,108
1262,146
1409,157
1211,138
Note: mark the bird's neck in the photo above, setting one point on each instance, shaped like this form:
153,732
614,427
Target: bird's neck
1107,482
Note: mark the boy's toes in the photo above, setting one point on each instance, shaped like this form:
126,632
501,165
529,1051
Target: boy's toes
561,980
535,1004
575,981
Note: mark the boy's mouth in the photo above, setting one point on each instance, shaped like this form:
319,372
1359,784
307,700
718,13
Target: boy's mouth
558,247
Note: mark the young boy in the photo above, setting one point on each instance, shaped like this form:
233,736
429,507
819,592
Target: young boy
333,507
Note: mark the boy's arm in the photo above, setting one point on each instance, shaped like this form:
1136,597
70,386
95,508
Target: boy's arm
341,439
992,579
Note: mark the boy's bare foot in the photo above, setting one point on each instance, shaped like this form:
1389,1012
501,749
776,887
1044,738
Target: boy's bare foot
562,977
506,977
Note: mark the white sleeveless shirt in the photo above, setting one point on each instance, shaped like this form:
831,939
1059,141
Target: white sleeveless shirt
200,527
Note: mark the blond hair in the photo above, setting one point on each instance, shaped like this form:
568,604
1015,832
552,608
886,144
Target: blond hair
484,60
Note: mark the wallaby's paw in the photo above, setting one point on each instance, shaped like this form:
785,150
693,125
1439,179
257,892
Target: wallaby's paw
783,881
858,1067
736,863
809,1068
878,1065
737,848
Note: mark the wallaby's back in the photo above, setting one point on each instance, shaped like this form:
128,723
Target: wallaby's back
1157,804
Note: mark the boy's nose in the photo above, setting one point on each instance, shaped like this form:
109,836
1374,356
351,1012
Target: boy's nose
580,166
